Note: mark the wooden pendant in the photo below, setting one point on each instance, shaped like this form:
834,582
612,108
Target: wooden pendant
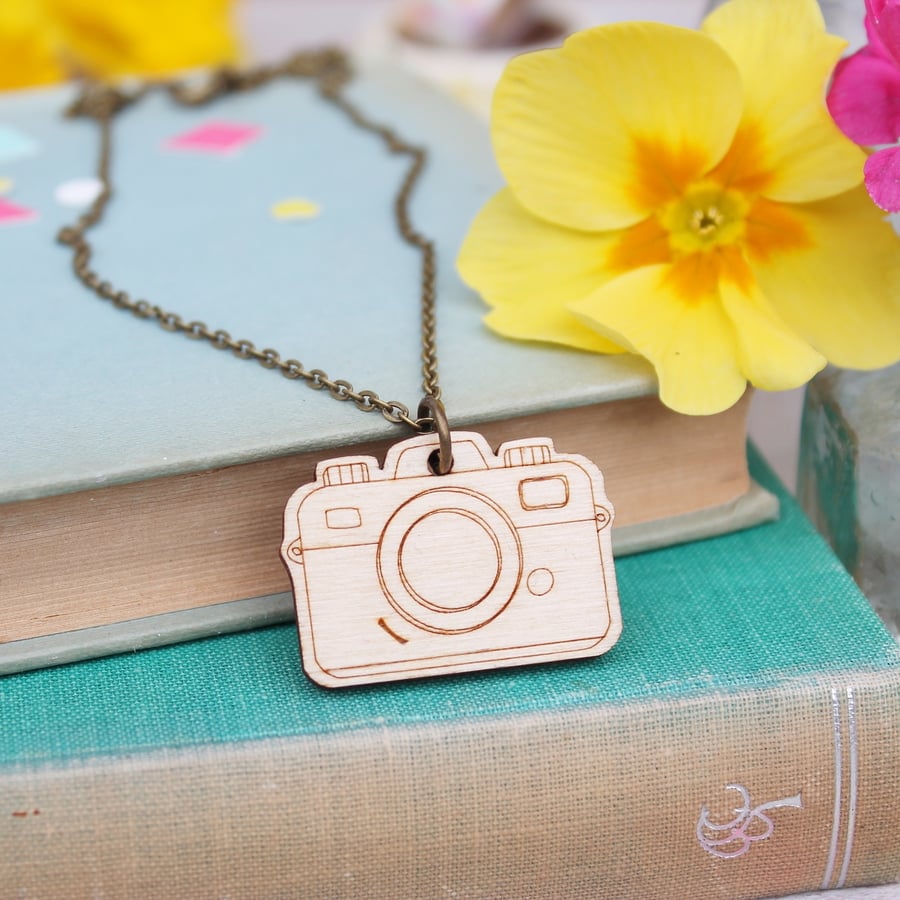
401,573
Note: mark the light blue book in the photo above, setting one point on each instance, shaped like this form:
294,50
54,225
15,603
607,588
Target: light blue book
143,474
739,741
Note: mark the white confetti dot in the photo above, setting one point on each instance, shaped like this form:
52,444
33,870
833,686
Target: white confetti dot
78,192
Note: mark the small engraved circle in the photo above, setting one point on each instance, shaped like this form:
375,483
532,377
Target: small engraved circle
540,582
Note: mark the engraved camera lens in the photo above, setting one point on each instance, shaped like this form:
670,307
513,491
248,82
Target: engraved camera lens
433,537
430,576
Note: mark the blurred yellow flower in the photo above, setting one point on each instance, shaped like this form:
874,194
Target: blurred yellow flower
685,196
42,41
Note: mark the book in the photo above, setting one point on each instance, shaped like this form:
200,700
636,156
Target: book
751,675
143,476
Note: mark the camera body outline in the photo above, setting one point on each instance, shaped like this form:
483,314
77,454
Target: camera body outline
400,573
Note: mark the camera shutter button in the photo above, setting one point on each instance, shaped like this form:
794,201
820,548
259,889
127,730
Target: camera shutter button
540,582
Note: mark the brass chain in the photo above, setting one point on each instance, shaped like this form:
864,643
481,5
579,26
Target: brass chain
330,69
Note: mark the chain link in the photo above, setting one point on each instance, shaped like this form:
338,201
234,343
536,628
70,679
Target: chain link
331,71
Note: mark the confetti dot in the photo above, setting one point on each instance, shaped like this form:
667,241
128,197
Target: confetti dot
295,208
12,212
78,192
15,144
215,137
6,185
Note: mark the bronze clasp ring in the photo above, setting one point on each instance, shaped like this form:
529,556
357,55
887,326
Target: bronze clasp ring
433,417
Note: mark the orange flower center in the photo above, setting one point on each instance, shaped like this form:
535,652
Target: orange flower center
707,228
705,216
706,221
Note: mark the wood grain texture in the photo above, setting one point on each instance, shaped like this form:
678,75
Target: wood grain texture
399,572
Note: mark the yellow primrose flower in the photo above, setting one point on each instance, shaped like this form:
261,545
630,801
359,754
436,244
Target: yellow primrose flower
42,41
27,55
685,196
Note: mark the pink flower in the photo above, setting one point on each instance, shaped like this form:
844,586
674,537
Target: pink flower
883,26
864,100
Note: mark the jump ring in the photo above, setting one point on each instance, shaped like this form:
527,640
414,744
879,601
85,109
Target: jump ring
432,408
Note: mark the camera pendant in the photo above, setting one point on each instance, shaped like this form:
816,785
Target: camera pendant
399,572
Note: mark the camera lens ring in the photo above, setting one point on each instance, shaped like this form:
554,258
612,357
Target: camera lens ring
409,579
475,510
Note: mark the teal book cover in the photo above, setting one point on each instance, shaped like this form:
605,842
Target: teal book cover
739,741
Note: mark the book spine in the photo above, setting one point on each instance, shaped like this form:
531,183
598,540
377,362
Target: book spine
731,795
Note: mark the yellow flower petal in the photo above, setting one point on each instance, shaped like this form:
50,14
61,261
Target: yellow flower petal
787,146
598,134
770,355
691,345
27,45
137,37
527,270
841,291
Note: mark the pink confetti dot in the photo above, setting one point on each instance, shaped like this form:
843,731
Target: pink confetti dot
11,213
215,137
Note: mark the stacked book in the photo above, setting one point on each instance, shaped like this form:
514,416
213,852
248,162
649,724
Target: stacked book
740,741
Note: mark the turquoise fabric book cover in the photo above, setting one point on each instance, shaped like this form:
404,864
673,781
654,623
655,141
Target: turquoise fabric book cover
748,661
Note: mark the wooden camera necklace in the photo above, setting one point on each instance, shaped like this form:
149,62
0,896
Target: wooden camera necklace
448,557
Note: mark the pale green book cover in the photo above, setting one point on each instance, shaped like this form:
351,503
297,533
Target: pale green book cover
94,396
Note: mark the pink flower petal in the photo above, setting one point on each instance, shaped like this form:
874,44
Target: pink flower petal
883,19
864,99
875,47
873,11
882,171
